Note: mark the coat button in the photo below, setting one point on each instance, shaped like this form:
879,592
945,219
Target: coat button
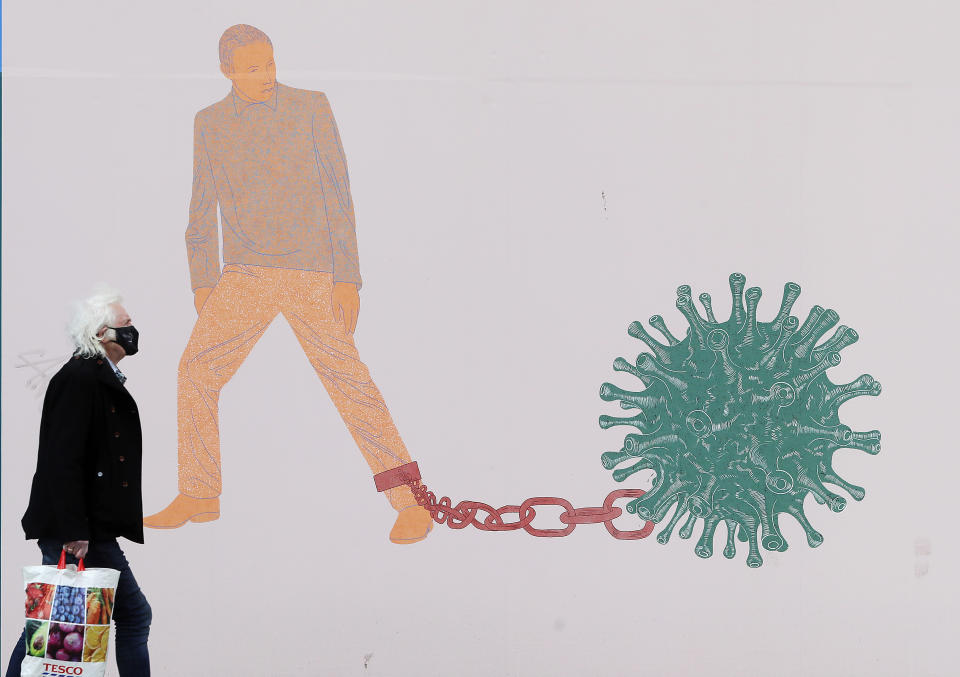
99,361
122,459
116,434
113,410
124,484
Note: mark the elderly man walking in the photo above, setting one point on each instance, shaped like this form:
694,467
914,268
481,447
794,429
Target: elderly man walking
270,157
86,489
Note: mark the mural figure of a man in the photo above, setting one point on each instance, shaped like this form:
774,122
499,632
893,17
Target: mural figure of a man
270,157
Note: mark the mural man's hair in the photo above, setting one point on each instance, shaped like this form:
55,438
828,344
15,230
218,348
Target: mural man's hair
90,315
238,36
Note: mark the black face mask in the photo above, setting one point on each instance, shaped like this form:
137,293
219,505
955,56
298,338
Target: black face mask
127,338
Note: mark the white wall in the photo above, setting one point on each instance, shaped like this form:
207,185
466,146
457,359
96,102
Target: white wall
815,142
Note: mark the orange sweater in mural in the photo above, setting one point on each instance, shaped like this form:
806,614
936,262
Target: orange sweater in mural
279,173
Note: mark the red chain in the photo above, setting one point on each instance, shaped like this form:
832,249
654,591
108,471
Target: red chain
466,512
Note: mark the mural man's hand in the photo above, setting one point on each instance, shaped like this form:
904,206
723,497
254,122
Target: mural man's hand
346,304
200,297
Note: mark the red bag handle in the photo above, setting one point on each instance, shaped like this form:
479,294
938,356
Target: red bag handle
62,564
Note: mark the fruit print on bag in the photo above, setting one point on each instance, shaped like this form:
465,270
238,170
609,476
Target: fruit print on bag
68,605
95,643
39,602
36,638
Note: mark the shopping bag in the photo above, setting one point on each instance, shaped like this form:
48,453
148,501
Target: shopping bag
67,619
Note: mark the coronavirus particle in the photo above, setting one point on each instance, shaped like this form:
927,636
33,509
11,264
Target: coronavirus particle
738,420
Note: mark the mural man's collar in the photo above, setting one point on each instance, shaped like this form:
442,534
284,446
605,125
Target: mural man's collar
240,105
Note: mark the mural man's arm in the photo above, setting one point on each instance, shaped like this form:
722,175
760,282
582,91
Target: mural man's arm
332,167
202,236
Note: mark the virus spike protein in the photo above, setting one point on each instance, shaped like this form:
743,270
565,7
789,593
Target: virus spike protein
739,421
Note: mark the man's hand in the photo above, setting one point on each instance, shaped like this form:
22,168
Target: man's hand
200,297
77,548
346,304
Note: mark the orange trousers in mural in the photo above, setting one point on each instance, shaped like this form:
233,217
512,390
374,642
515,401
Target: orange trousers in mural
236,314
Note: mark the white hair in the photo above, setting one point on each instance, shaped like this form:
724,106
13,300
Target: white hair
90,316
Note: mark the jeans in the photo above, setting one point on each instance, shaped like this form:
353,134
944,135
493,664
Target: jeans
131,612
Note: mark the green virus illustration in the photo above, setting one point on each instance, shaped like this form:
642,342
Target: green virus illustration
738,420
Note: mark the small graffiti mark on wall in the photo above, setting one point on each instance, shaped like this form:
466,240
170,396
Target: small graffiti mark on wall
40,368
922,550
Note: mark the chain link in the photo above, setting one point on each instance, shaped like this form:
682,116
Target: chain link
468,513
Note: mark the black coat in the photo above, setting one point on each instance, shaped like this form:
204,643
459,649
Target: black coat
87,483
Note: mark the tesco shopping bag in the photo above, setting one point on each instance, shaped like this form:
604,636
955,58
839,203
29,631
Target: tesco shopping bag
67,616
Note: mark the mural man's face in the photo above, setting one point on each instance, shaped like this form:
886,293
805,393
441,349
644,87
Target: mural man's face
253,71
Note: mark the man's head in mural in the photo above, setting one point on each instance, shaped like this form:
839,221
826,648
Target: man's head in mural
246,58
